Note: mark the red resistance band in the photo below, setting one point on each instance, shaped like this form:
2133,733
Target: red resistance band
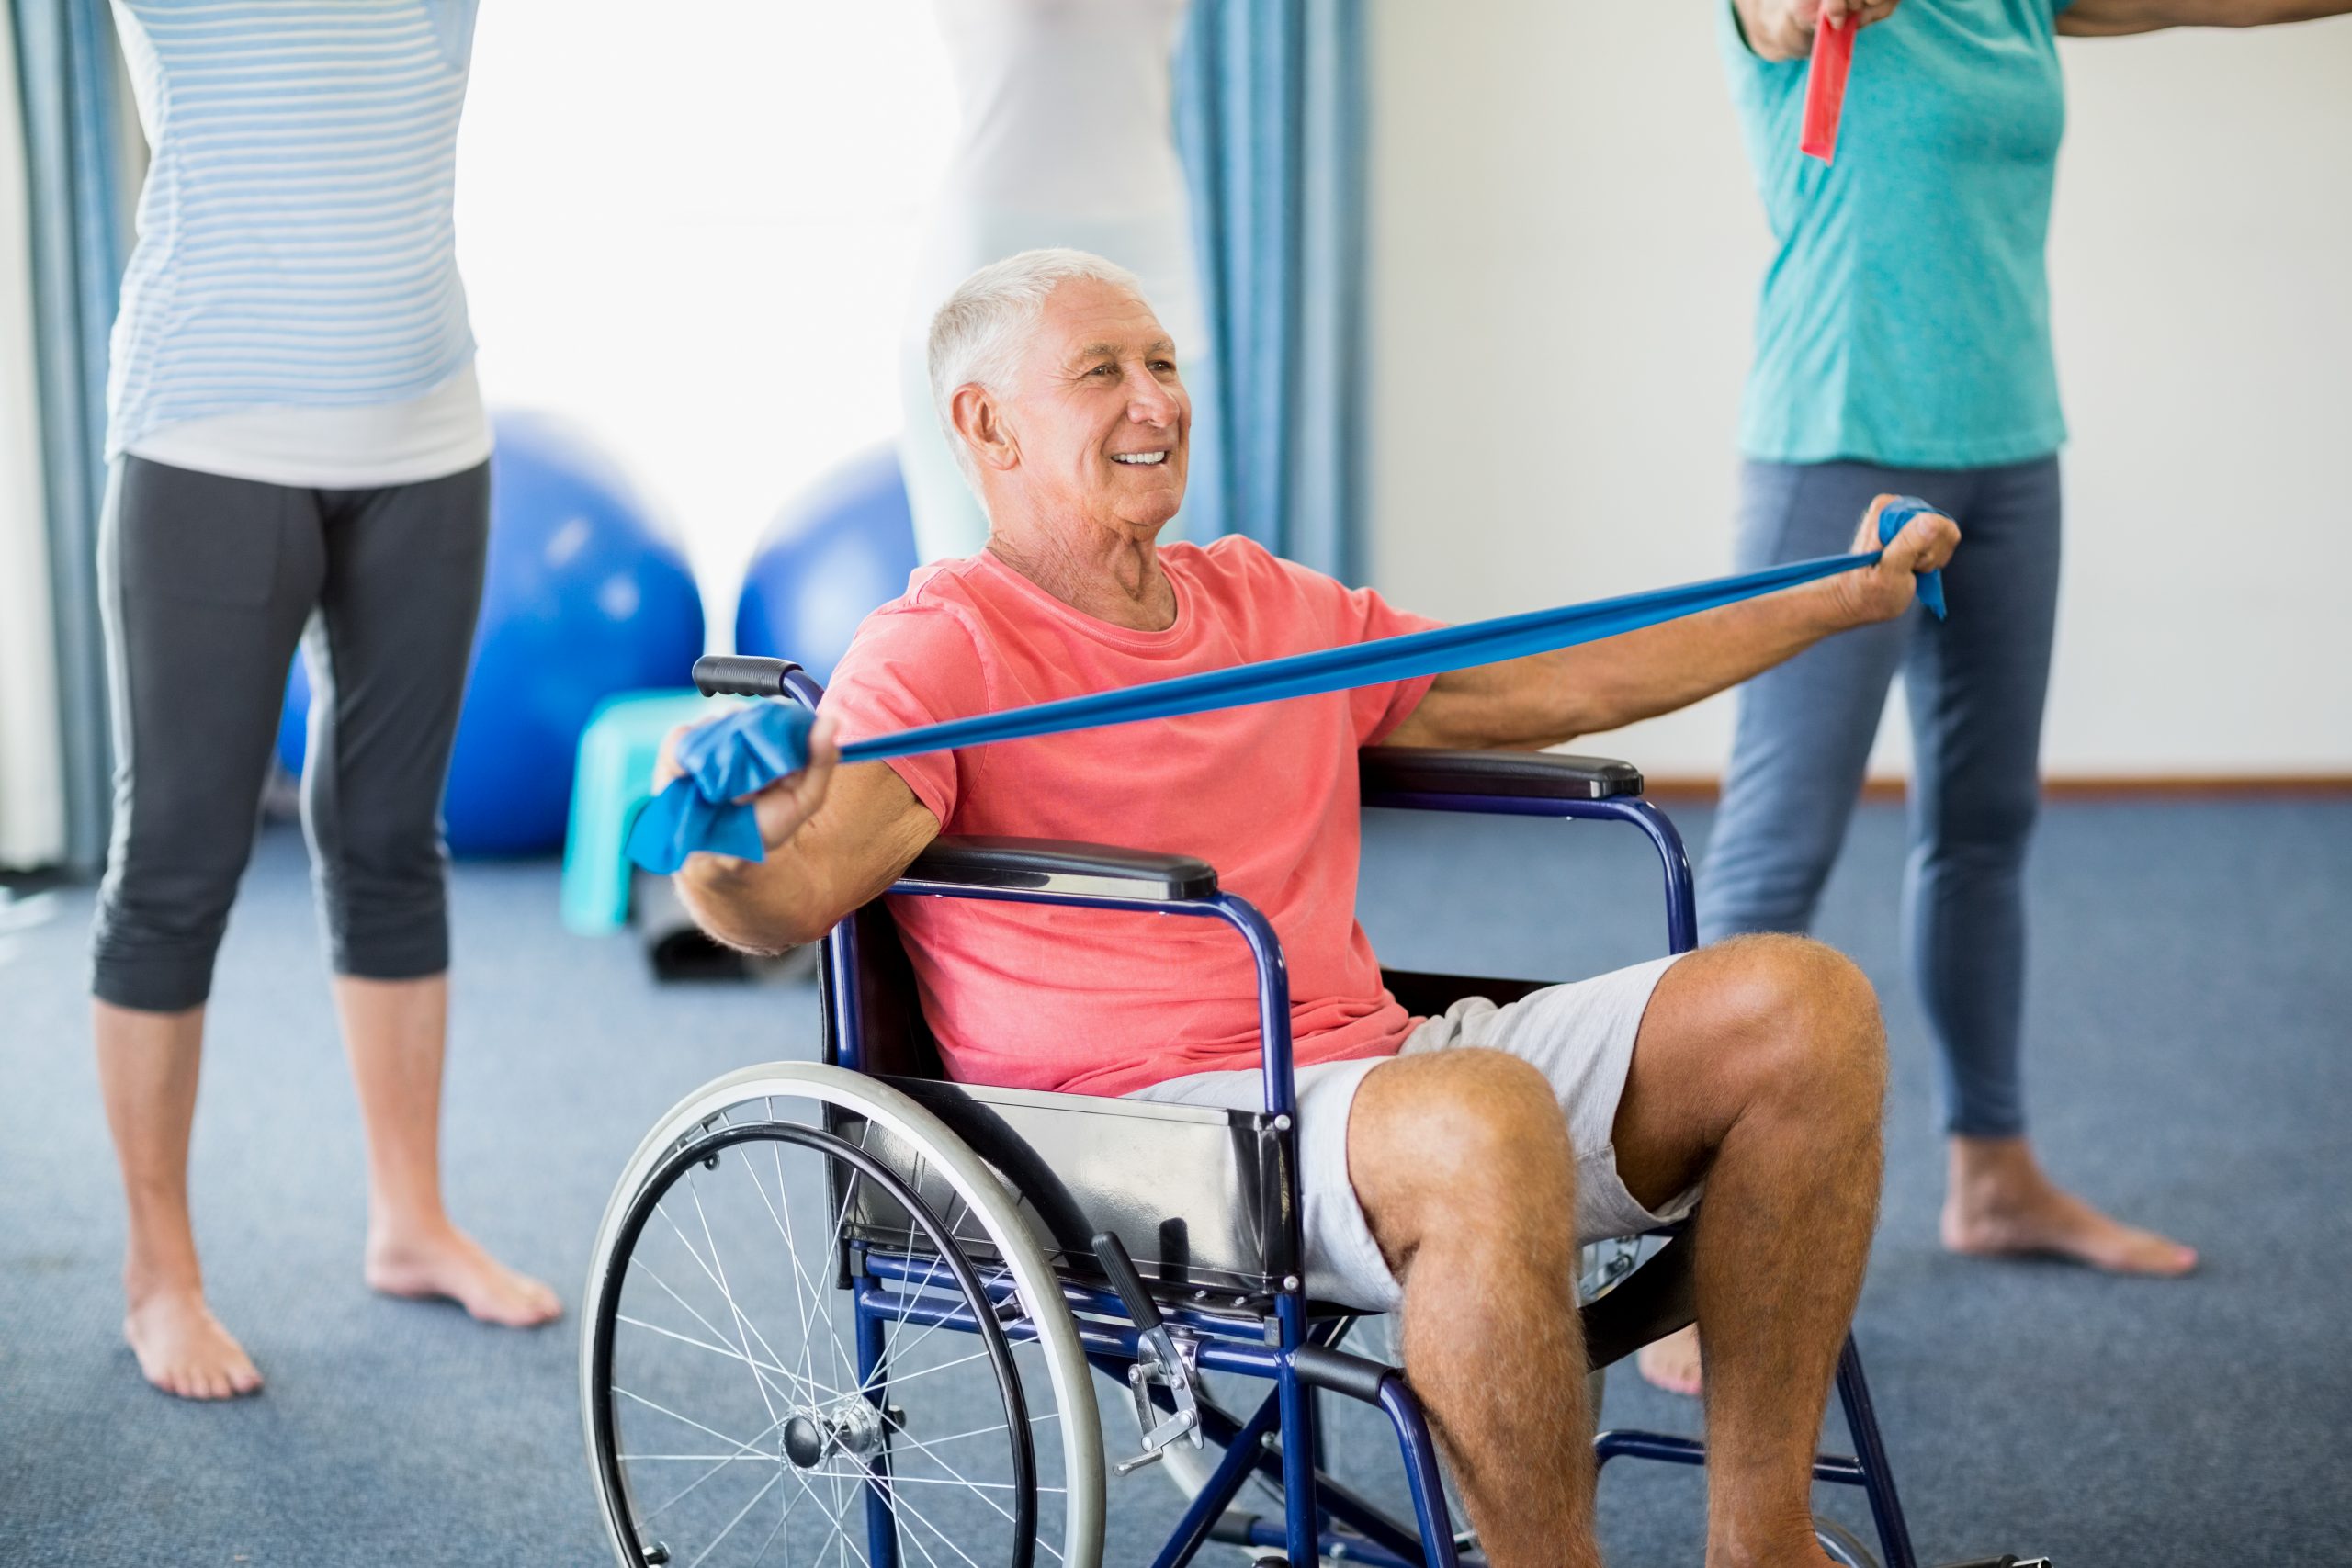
1824,87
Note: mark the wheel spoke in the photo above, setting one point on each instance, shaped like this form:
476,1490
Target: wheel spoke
744,1331
812,1302
895,1479
665,1410
740,1448
782,1517
738,1519
763,1366
899,1503
958,1478
774,1359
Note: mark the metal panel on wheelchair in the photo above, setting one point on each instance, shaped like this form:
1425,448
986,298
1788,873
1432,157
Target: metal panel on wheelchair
778,1363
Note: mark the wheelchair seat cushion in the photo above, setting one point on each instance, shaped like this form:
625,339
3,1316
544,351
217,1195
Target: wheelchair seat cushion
1581,1036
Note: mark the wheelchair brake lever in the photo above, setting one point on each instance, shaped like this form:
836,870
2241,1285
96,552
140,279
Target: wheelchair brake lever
1165,1359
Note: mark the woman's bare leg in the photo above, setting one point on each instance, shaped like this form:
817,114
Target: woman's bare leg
395,1033
148,1064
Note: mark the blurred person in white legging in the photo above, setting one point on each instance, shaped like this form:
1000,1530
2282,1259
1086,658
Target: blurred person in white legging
1066,140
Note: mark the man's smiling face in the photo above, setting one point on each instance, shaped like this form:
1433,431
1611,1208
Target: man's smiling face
1101,418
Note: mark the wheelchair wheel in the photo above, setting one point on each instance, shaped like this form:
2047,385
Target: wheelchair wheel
1845,1548
727,1418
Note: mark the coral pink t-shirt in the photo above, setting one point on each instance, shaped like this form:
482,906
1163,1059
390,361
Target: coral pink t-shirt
1095,1001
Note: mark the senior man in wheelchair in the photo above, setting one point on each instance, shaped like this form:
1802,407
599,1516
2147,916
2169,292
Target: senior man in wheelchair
1449,1165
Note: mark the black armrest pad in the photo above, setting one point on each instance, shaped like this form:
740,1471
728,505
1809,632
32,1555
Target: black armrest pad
1059,865
1546,775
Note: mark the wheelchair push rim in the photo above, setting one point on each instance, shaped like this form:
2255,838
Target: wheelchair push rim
751,1388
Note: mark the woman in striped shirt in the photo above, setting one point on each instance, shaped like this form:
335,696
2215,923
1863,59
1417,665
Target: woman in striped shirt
300,455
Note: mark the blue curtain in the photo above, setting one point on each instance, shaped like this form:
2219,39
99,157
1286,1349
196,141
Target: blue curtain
1270,117
73,109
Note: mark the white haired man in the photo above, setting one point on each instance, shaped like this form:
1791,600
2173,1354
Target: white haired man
1447,1164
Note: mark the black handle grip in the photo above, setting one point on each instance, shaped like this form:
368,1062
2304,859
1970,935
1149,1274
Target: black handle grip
741,675
1113,1256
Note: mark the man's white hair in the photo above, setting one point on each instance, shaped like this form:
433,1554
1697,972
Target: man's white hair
980,334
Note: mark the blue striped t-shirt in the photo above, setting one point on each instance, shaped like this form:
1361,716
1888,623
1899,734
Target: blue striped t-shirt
297,244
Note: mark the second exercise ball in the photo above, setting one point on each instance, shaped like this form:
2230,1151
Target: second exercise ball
833,554
586,595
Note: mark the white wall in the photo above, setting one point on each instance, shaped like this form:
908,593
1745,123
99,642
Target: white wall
32,807
1566,249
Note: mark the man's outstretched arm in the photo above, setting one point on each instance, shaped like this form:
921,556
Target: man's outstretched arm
835,838
1546,699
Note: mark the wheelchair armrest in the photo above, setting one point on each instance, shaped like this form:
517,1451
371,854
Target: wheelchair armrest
1544,775
1059,865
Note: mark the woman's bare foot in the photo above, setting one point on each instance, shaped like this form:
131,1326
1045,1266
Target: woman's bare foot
2000,1201
1672,1363
444,1262
183,1349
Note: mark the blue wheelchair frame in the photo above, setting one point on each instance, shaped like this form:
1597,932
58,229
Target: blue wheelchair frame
1322,1517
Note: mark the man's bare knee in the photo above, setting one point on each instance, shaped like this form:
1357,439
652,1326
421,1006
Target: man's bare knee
1801,1021
1468,1147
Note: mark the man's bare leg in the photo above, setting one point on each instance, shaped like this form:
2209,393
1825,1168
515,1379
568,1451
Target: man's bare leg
1460,1162
148,1065
1761,1064
394,1032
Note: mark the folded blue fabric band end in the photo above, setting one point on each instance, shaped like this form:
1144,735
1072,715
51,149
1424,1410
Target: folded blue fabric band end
724,760
749,749
1898,511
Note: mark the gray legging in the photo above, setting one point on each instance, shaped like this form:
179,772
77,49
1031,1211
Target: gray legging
1976,686
207,584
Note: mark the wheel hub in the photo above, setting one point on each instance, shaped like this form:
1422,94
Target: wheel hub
851,1426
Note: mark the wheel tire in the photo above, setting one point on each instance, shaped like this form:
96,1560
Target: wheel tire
784,1105
1843,1545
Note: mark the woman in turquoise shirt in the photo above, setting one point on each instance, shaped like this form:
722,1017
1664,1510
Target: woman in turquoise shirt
1903,346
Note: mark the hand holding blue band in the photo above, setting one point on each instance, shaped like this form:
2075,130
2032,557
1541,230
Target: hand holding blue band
1898,511
749,749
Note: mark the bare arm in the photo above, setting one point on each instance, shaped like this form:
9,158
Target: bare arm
834,841
1548,698
2111,18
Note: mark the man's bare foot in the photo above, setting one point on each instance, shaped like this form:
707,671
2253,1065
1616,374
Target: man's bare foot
1672,1363
1999,1203
183,1349
444,1262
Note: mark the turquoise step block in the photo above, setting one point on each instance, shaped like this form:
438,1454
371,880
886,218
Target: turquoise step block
615,771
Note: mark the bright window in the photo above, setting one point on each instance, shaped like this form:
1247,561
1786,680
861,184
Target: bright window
691,227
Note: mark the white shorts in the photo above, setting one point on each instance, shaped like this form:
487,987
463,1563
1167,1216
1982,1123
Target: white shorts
1579,1036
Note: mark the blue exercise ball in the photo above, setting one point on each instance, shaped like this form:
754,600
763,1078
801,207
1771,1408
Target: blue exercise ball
586,595
832,555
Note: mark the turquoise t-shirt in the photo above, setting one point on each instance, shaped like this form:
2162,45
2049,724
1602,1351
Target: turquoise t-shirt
1906,317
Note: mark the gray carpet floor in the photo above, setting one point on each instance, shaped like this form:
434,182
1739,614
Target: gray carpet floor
2191,989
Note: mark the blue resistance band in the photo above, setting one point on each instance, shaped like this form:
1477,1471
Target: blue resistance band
753,747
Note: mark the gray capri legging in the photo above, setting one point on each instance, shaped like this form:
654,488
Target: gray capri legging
207,585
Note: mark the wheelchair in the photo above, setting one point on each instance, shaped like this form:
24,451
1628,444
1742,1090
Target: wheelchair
847,1312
